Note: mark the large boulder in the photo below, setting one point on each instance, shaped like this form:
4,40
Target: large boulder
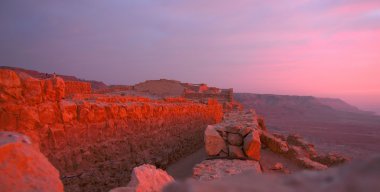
23,168
146,178
252,145
214,143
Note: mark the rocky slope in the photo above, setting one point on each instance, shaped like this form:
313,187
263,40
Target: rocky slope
329,123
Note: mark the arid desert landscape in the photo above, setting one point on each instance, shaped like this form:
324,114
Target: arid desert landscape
189,96
122,136
331,126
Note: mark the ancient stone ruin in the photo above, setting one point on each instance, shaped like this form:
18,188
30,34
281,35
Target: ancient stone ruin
76,87
95,140
234,150
238,136
238,140
121,138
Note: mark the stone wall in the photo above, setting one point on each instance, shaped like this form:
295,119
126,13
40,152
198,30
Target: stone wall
114,88
237,137
225,95
217,96
77,87
96,140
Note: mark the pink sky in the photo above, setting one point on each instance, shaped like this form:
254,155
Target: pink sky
308,47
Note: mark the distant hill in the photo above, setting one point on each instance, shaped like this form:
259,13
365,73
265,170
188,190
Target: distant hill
96,85
301,105
340,105
162,87
330,123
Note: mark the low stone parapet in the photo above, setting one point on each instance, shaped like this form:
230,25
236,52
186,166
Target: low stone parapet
237,137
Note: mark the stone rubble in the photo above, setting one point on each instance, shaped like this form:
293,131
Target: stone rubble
242,134
299,150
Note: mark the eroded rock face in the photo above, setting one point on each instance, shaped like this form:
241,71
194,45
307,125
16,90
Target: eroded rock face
219,168
146,178
23,168
363,175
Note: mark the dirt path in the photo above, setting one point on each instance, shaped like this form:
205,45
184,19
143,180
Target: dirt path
183,168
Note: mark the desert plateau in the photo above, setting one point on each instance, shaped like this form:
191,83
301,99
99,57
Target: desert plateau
189,96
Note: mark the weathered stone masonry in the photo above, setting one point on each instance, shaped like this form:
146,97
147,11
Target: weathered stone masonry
96,140
76,87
